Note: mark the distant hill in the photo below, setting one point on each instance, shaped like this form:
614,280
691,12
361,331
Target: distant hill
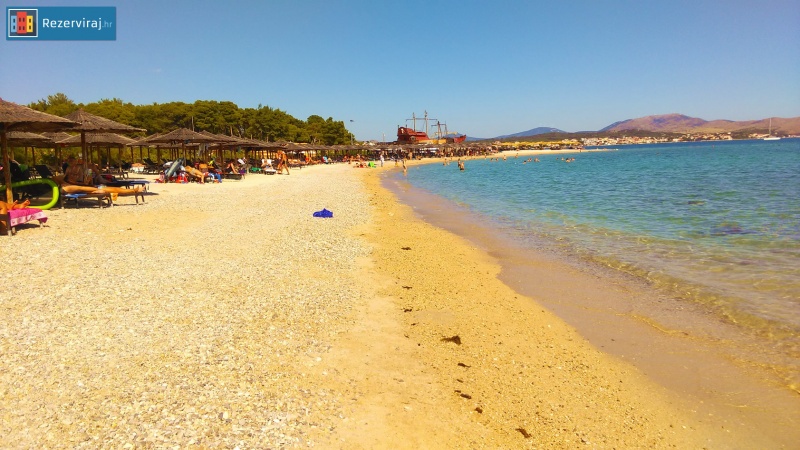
664,124
531,132
679,123
475,139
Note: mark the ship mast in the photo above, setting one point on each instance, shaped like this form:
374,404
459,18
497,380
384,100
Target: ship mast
424,118
413,120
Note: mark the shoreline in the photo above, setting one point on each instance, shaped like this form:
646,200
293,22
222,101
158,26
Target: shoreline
518,365
720,325
609,314
225,315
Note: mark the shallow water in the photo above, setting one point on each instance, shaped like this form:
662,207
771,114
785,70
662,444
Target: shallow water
715,224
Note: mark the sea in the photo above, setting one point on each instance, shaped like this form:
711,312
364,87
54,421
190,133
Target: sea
714,226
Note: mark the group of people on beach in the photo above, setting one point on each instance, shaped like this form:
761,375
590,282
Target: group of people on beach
202,171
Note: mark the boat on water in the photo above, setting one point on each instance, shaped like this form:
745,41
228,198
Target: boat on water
410,135
771,137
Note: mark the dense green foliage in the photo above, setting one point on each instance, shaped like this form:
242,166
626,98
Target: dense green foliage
263,123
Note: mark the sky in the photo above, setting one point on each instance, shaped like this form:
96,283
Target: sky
483,68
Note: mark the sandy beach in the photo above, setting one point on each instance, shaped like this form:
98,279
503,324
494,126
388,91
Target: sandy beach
225,315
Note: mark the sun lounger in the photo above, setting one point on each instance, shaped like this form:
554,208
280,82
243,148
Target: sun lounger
73,198
129,183
43,171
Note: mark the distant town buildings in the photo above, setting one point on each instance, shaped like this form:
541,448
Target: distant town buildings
625,140
619,140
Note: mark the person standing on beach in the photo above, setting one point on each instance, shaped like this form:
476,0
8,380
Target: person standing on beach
282,162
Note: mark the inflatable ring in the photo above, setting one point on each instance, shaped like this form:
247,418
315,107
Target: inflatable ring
45,181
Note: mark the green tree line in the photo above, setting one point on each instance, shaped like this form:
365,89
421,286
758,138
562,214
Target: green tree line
224,117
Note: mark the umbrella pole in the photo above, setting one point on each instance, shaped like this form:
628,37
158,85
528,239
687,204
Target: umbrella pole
84,153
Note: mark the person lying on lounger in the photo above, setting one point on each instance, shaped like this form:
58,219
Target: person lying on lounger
192,172
76,180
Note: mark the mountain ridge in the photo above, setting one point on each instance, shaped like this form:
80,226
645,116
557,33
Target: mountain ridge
678,123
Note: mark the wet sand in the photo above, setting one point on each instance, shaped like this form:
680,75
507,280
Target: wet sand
226,316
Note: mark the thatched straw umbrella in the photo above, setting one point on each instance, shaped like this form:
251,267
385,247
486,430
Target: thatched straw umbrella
14,117
91,123
181,135
223,141
57,137
112,139
264,148
143,142
99,139
261,146
26,139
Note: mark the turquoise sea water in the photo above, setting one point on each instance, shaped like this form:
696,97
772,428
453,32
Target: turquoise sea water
716,224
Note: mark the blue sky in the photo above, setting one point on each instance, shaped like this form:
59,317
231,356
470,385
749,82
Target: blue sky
485,68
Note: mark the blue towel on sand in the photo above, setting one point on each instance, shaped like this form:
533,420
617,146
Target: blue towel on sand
323,213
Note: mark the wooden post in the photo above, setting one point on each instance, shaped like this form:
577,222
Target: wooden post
6,167
84,152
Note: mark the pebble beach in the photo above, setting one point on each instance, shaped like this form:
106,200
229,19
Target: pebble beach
226,316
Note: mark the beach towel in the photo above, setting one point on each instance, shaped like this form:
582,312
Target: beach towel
25,215
323,213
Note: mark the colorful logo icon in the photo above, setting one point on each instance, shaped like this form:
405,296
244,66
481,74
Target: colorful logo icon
23,23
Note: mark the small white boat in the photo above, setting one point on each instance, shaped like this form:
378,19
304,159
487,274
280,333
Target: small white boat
771,137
